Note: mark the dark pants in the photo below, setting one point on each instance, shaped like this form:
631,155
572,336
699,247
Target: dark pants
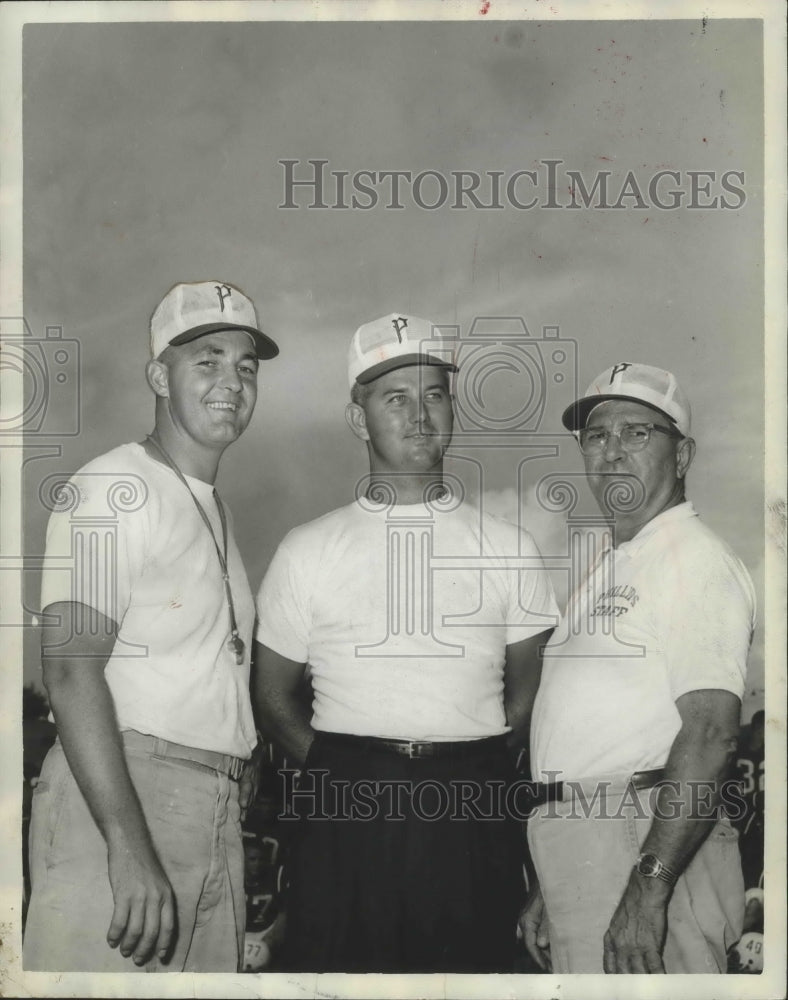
422,873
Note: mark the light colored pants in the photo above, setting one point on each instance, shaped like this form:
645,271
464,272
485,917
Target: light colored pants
194,819
583,865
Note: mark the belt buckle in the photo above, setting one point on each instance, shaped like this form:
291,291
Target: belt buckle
420,749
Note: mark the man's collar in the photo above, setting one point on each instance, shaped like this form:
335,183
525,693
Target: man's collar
670,516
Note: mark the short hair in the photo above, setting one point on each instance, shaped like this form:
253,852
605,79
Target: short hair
168,355
359,393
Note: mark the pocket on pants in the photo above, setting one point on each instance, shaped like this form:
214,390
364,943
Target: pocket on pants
724,831
48,806
716,887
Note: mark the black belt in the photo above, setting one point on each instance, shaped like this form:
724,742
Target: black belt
412,748
557,791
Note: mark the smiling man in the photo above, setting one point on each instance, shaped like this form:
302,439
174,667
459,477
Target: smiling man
422,650
636,717
136,853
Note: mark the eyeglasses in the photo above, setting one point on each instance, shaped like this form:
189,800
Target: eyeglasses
631,437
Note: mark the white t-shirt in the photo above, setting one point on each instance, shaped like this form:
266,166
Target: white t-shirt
132,545
403,615
668,612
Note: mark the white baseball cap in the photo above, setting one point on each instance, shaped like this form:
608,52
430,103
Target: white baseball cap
396,341
655,387
191,309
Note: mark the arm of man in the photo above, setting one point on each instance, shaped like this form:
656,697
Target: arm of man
521,673
143,918
278,701
700,755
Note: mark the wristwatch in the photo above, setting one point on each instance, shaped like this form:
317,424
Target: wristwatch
650,866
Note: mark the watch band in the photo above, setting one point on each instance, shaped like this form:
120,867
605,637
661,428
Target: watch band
650,866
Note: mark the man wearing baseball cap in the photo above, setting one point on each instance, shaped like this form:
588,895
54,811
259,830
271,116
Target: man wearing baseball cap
637,712
422,650
136,854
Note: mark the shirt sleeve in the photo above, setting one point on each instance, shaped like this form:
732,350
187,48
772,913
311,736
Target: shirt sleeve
94,549
533,607
707,618
283,620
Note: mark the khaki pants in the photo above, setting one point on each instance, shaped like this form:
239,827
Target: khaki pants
194,819
584,863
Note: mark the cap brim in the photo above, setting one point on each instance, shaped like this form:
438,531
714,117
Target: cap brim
404,361
265,348
574,417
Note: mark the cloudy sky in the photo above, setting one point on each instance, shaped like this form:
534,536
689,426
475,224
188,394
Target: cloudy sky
151,156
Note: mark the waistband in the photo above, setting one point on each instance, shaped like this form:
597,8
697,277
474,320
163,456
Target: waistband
412,748
209,759
564,791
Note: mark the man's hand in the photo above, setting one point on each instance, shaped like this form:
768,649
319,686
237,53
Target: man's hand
636,936
699,758
143,920
534,926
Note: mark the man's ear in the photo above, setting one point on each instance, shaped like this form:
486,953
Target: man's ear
685,452
158,377
357,421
